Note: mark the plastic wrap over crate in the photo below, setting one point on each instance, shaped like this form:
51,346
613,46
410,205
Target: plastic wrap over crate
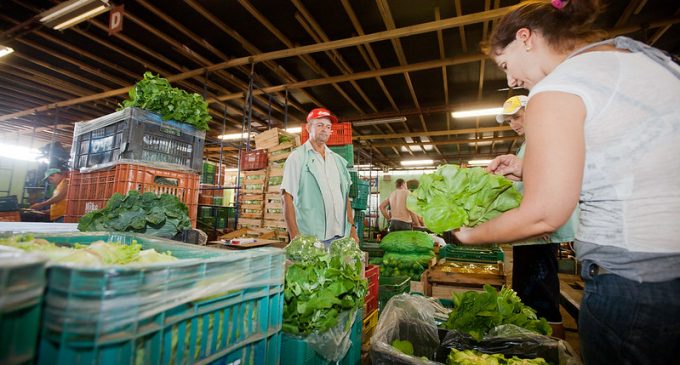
135,134
210,305
22,282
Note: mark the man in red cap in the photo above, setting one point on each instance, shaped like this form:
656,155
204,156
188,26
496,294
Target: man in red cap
315,186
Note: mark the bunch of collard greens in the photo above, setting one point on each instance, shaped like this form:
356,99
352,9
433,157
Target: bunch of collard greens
155,94
320,284
476,313
453,197
159,215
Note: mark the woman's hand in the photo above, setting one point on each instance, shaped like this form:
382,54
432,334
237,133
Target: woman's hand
509,166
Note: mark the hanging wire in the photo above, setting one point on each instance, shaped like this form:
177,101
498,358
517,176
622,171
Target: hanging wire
285,115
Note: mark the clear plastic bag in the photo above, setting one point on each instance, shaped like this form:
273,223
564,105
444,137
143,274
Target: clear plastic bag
405,317
333,344
510,340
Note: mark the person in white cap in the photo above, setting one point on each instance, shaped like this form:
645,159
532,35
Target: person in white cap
57,202
315,186
535,268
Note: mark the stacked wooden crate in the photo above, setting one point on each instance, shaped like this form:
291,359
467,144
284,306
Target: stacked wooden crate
251,198
279,145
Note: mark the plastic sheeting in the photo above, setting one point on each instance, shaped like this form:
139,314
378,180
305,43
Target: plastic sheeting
100,301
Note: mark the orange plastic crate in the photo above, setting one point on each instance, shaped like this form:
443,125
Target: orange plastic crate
90,191
13,216
341,134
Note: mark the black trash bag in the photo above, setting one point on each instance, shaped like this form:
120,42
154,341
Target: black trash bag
509,340
410,318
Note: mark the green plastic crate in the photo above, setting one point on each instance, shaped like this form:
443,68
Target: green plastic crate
346,151
212,306
476,254
391,286
296,351
22,282
373,249
360,202
354,188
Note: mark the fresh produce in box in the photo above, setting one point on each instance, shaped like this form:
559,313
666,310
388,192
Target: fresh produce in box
472,357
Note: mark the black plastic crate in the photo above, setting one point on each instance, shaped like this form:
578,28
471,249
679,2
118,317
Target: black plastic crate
138,135
9,203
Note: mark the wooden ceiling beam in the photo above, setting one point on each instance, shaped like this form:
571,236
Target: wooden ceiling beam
447,142
347,42
432,133
250,48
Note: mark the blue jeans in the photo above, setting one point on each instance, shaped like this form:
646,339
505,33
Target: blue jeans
625,322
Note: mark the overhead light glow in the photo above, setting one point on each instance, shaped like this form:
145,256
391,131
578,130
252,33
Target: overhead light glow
4,51
479,162
477,113
72,12
19,152
417,162
237,136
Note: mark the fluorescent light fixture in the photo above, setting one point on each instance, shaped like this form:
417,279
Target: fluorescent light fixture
416,148
479,162
72,12
417,162
4,50
19,152
363,166
362,123
237,136
231,169
477,113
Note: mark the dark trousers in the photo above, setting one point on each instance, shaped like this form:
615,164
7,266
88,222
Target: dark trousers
625,322
534,278
397,225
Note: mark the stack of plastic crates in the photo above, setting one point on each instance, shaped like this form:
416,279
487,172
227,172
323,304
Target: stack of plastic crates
22,282
360,202
372,274
89,191
489,254
391,286
211,306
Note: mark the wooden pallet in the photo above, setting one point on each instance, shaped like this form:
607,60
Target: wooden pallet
249,223
441,284
274,172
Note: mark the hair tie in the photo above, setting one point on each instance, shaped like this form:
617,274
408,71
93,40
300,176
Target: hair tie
559,4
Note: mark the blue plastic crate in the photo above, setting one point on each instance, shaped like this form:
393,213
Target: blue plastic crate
214,306
22,281
296,351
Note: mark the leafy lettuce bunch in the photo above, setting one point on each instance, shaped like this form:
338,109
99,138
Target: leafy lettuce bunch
453,197
155,93
320,284
476,313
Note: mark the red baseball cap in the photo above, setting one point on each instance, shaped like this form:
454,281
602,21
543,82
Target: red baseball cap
321,113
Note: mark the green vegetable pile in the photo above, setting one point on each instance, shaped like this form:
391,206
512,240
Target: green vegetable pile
404,346
472,357
476,313
407,253
96,254
160,215
320,284
155,93
452,197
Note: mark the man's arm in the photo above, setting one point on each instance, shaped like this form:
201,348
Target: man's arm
289,215
383,209
60,195
350,219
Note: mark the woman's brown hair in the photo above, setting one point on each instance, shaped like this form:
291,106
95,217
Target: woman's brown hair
560,27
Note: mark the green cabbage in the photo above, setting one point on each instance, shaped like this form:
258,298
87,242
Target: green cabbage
453,197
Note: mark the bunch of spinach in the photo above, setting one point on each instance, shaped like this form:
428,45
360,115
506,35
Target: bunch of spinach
320,284
155,93
160,215
476,313
453,197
